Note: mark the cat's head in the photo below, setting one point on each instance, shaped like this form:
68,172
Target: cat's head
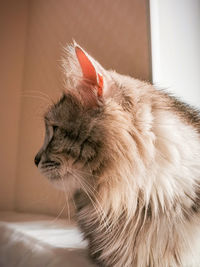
89,132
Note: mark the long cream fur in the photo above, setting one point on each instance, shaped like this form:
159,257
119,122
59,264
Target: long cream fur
139,211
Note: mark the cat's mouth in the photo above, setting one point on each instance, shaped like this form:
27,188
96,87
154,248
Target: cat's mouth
50,164
61,177
51,169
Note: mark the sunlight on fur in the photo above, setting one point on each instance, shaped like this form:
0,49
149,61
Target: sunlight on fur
128,155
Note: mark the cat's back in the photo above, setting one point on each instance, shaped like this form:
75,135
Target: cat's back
187,113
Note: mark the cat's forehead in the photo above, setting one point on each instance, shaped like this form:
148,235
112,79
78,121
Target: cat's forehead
69,112
67,107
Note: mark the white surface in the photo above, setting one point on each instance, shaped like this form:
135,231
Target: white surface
28,240
175,35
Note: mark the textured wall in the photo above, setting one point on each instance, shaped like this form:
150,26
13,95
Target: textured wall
115,32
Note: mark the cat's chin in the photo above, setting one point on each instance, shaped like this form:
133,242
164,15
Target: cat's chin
51,175
66,183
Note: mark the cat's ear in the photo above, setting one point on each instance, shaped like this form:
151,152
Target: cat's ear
90,70
84,74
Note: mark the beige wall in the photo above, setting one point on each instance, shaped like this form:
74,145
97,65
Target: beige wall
115,32
13,22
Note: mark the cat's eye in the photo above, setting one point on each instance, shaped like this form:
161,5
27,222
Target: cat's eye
54,128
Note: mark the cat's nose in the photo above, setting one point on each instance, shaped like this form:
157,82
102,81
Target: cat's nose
37,159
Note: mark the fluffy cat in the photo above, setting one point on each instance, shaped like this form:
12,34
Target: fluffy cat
129,156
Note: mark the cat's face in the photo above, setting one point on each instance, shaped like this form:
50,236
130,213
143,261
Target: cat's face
73,140
75,143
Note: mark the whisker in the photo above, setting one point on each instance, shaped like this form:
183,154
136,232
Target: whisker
86,191
96,204
59,214
41,93
37,97
66,198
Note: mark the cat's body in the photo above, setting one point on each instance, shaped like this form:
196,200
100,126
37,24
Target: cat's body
130,157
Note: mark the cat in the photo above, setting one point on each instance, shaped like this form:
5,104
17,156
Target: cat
129,156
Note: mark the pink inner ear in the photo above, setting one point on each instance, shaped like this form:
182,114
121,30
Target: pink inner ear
100,87
89,72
